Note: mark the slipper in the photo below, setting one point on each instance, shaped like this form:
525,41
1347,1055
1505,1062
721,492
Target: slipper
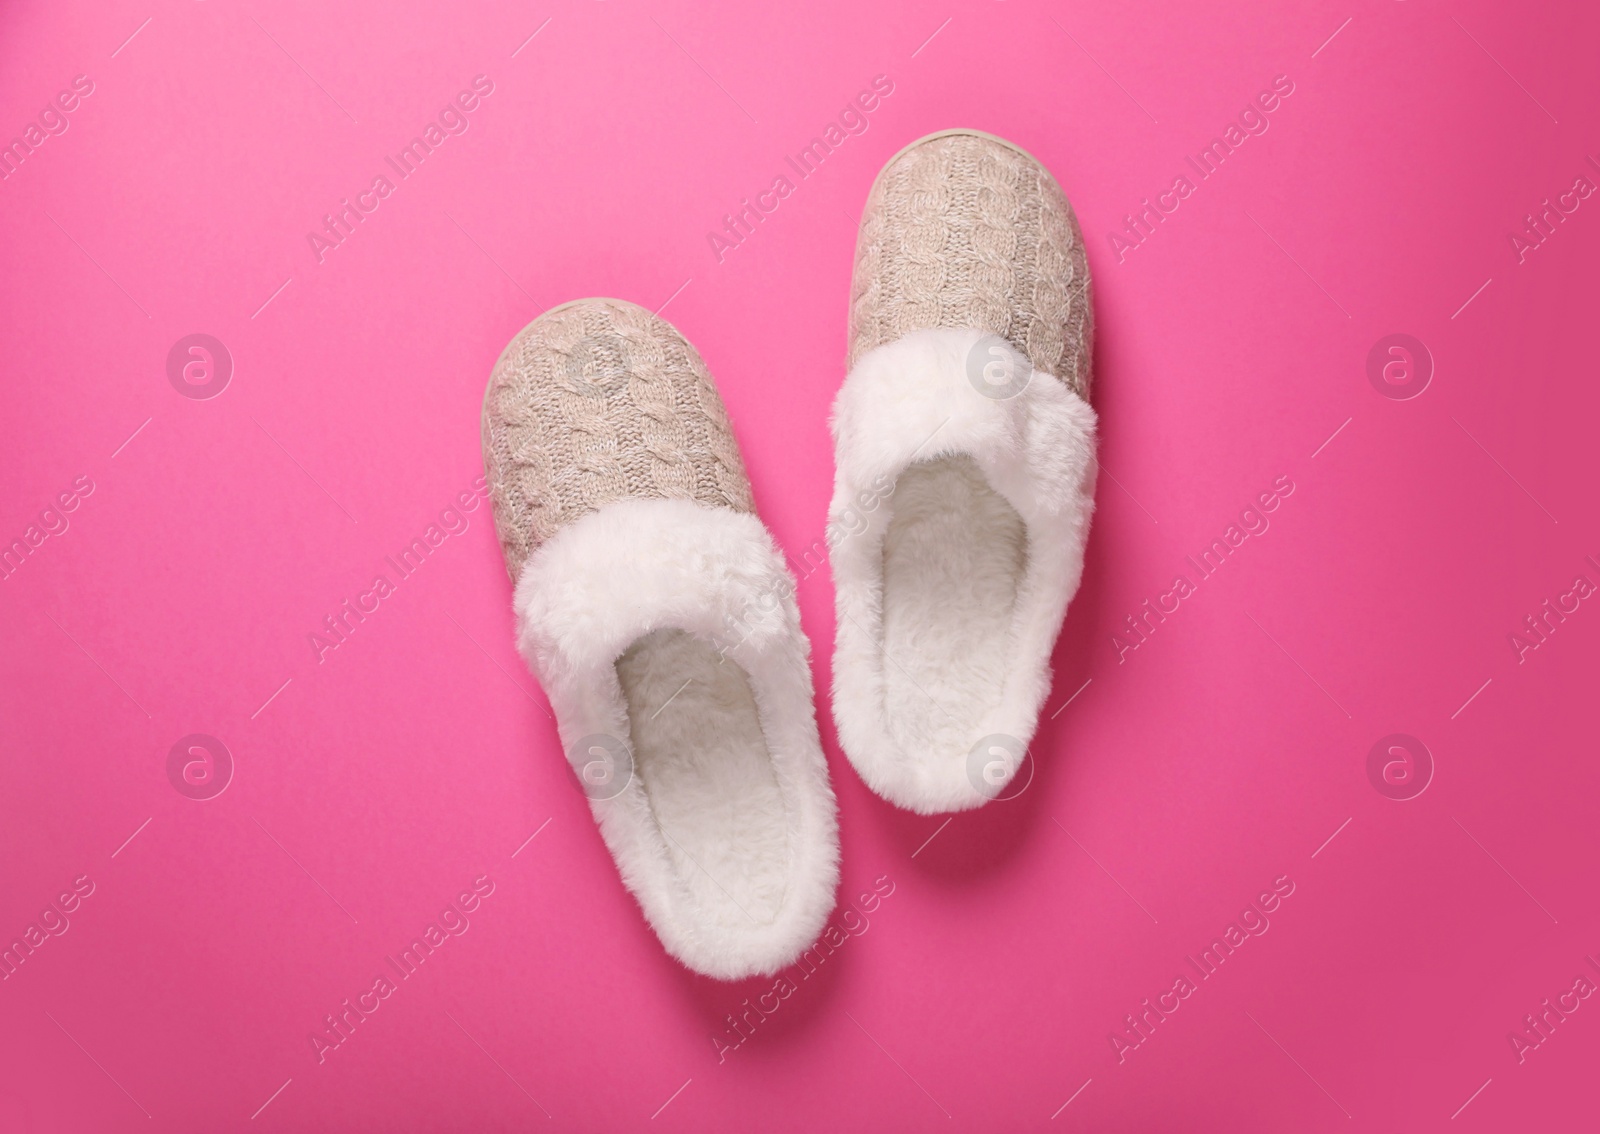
964,450
659,615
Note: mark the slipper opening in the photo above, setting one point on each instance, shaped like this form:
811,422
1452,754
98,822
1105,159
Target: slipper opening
707,772
954,557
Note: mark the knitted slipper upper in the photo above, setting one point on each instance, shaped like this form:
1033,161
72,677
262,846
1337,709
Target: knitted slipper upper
963,230
595,401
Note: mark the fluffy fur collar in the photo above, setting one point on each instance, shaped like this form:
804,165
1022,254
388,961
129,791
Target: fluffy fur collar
730,801
909,405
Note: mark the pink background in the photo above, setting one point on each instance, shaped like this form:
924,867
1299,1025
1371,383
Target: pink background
1221,754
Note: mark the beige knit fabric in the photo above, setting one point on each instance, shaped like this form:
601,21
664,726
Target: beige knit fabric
963,230
593,402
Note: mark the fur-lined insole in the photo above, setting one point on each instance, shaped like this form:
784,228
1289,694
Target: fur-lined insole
703,761
953,559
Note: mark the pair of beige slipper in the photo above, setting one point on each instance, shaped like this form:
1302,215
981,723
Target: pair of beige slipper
660,617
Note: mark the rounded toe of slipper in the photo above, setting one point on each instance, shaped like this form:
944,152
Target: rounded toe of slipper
594,401
963,229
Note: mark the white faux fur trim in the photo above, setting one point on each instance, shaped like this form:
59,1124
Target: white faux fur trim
909,723
746,879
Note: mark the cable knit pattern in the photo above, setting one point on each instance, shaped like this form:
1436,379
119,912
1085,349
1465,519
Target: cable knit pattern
963,230
597,401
